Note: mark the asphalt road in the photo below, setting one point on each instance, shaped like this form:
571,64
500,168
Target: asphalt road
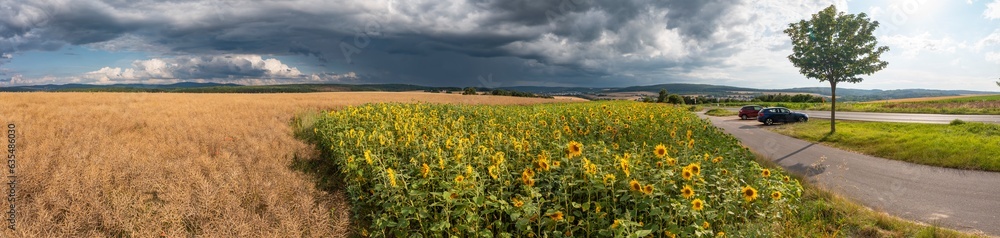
958,199
903,117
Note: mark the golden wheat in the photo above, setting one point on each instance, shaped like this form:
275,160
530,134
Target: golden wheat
153,164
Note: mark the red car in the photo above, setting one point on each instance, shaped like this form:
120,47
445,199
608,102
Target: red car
749,111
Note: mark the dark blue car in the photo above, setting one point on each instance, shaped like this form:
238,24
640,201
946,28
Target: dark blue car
771,115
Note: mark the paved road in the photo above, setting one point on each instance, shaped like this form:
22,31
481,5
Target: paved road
958,199
904,117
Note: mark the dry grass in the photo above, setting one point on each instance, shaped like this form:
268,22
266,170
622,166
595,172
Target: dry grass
146,165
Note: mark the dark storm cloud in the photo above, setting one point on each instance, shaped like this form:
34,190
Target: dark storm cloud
584,42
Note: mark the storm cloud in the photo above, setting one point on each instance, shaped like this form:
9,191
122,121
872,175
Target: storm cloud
427,42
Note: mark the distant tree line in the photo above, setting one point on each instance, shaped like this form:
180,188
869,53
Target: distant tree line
504,92
787,98
665,97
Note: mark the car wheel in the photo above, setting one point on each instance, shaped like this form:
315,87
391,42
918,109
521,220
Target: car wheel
769,122
743,117
803,119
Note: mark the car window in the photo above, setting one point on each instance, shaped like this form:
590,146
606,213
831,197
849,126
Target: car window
757,108
785,110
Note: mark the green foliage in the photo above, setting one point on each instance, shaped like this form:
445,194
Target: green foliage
788,98
469,91
675,99
969,145
581,169
513,93
956,122
663,96
836,47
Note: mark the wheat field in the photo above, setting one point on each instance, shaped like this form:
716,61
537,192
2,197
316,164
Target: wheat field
176,165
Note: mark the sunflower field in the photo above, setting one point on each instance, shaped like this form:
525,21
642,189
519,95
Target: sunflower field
553,170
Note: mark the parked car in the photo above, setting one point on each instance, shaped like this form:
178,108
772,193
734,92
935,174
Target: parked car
749,111
780,114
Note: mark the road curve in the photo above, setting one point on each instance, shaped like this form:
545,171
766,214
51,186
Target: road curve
903,117
959,199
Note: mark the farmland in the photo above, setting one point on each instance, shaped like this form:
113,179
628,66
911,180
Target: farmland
596,169
176,165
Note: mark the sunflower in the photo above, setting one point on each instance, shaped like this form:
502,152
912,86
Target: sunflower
717,159
697,204
616,224
530,182
609,178
517,202
557,216
575,149
786,179
687,191
660,151
493,171
749,193
648,189
691,144
671,161
694,168
725,171
686,174
368,156
775,195
705,225
634,185
425,170
766,173
392,177
555,164
659,164
459,179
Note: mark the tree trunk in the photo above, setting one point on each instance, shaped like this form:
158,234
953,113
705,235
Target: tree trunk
833,107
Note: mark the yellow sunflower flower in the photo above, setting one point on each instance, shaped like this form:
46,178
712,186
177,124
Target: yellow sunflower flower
648,189
775,195
609,179
749,193
697,204
687,191
660,151
634,185
686,174
575,149
557,216
425,170
694,168
765,173
392,176
459,179
517,202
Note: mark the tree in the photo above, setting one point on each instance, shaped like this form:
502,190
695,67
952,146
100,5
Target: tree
469,91
675,99
835,47
663,96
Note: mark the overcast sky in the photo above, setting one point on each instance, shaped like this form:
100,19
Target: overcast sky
487,43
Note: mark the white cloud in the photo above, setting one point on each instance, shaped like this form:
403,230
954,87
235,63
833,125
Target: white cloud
992,10
243,69
993,57
912,46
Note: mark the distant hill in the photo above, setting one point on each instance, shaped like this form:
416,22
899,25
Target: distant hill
845,94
